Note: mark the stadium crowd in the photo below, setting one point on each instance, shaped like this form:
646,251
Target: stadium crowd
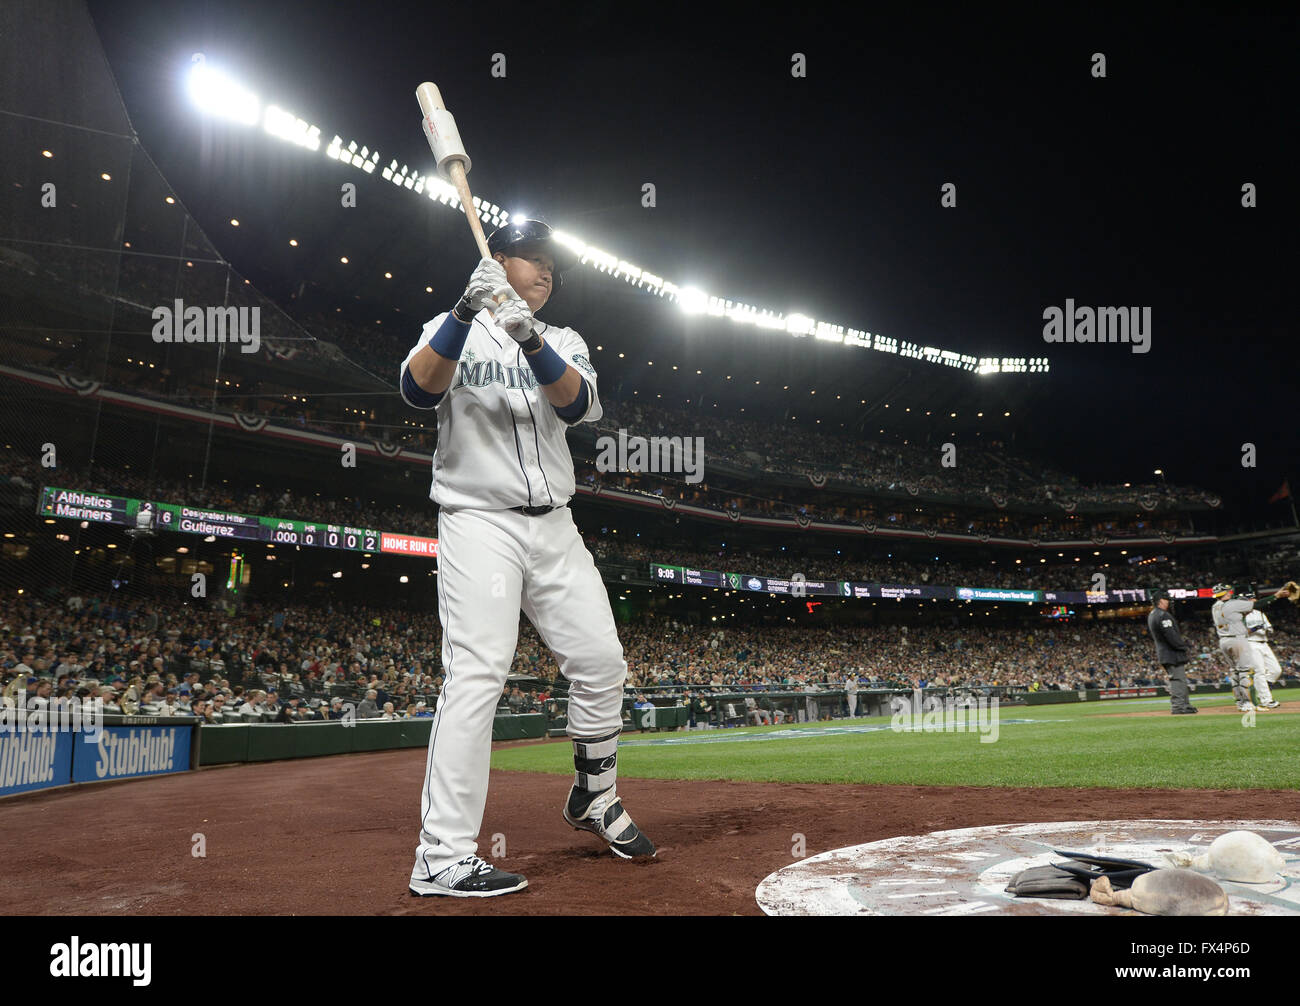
838,508
315,661
417,515
986,476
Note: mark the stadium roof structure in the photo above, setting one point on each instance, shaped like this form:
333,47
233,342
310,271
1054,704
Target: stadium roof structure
395,260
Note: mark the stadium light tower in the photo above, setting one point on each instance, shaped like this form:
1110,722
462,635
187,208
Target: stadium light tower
216,94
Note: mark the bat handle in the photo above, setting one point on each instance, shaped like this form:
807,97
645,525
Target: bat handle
457,172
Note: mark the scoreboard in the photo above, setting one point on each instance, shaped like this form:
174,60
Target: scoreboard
157,515
797,586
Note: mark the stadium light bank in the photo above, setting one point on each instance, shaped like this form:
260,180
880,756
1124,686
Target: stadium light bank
216,94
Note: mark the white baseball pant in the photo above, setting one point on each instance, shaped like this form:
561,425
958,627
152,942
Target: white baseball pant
492,563
1267,670
1240,653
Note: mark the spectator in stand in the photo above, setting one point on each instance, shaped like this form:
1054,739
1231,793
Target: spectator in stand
369,708
251,709
169,706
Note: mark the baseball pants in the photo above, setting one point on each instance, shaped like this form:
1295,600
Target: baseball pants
853,704
1179,693
492,564
1267,670
1240,653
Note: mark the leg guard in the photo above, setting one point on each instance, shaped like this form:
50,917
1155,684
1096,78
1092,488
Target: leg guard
595,762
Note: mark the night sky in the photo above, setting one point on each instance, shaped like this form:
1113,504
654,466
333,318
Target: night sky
822,194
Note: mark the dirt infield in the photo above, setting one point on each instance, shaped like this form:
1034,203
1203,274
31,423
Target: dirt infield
1223,710
337,835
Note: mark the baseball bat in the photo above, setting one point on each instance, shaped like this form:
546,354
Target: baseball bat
430,99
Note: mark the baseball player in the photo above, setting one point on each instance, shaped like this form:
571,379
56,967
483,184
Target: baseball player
504,388
1229,614
851,694
1267,668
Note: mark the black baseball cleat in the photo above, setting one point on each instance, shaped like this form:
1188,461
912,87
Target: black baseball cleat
472,877
1184,712
603,815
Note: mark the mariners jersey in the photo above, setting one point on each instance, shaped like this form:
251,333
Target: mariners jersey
1230,617
501,443
1258,625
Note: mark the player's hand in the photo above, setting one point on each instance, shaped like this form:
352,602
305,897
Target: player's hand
488,276
513,315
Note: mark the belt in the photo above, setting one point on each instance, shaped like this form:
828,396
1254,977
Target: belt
536,511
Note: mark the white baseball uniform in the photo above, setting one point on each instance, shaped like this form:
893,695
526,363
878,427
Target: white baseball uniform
1230,623
502,445
1267,667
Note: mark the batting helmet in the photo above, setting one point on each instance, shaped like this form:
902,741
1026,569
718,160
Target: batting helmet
1223,590
513,237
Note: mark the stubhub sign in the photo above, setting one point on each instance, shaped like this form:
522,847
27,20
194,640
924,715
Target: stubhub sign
33,760
123,752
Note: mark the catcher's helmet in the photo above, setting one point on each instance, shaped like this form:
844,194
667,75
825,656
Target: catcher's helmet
1246,590
511,237
1223,591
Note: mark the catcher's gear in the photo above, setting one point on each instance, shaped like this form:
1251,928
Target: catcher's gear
1292,591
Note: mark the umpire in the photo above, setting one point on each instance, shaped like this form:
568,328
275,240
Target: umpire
1171,652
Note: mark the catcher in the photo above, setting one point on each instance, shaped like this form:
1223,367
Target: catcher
1229,613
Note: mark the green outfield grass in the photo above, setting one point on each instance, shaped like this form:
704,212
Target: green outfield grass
1065,745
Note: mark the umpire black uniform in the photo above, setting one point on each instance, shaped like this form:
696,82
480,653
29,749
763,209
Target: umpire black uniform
1171,652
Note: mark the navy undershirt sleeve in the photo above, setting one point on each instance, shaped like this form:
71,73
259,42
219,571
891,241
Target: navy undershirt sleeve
578,407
